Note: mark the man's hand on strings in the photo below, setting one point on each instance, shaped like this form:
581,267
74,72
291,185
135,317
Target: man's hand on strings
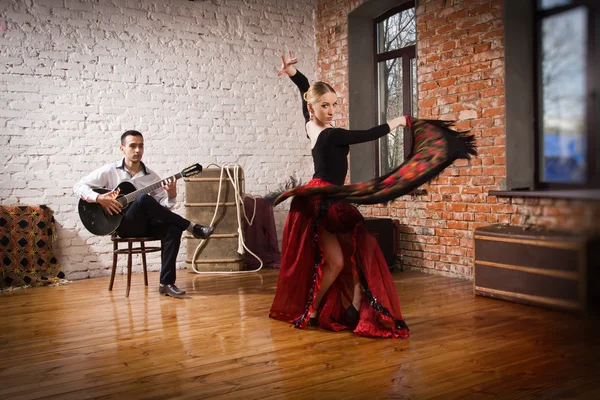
108,202
171,187
287,66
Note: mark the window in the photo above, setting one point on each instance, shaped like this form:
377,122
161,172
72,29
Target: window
567,145
375,39
552,49
396,76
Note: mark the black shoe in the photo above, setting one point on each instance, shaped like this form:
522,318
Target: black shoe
201,231
170,290
313,321
352,316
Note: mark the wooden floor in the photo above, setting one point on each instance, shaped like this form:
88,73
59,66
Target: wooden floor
79,341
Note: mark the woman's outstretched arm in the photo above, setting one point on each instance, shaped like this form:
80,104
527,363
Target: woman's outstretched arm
343,136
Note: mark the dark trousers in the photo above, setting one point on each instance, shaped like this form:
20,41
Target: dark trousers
146,217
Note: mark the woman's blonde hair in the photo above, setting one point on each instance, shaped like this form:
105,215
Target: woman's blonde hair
316,90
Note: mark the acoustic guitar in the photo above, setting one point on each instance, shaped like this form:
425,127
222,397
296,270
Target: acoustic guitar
95,218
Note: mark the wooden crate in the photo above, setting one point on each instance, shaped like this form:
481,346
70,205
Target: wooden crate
537,266
220,251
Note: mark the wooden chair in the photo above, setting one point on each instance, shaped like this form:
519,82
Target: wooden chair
130,251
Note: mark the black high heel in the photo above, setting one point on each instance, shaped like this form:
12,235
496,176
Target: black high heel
352,316
313,321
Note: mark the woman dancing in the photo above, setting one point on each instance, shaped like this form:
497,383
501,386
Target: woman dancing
333,273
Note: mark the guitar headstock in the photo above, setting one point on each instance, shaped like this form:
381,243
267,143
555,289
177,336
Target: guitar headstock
191,170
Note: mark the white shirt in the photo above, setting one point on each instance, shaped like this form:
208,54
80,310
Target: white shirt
111,175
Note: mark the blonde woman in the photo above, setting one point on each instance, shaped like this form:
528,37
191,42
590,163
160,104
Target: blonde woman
333,274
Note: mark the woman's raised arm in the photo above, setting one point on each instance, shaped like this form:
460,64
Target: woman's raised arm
287,67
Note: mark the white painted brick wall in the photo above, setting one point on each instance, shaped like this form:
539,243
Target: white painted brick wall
197,78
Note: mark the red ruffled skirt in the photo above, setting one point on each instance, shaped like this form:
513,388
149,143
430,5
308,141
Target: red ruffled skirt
302,263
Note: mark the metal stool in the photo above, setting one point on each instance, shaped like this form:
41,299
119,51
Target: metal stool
130,251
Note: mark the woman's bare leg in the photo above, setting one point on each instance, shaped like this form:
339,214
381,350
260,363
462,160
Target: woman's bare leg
334,263
346,241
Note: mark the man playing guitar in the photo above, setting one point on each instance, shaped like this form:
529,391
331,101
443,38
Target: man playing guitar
149,214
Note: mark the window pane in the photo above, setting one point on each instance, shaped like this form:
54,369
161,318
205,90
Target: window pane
396,32
546,4
595,117
390,106
413,83
563,74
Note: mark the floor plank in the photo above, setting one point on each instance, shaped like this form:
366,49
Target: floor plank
81,341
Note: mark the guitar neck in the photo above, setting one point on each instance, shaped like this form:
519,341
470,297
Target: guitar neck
129,198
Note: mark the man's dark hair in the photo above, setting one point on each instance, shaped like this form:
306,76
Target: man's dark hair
130,133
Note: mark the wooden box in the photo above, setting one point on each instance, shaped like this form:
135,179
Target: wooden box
537,266
384,230
219,253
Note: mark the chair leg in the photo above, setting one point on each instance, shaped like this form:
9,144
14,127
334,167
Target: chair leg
143,251
129,262
114,265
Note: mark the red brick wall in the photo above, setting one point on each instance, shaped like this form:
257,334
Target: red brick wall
460,58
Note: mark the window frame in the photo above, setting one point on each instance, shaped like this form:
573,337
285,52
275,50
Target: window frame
522,93
405,54
361,91
590,118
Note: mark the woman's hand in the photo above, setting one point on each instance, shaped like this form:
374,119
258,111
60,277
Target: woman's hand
287,66
396,122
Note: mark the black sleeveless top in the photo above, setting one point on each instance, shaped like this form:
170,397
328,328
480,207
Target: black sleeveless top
330,154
